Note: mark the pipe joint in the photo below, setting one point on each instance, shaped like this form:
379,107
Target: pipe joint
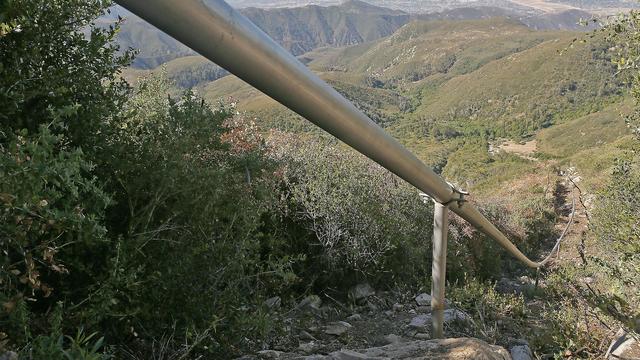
456,197
459,195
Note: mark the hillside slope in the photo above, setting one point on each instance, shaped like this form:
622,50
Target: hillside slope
303,29
297,29
447,89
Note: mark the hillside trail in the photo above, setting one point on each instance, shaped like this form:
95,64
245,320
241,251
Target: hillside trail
376,325
397,325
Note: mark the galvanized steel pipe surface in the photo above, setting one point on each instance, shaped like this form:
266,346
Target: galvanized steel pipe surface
224,36
439,268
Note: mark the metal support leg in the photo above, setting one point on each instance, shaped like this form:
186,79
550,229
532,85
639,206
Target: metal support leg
438,269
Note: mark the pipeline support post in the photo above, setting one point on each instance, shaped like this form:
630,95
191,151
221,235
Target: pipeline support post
438,268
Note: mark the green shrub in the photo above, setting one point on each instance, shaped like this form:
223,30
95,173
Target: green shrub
362,220
494,316
51,221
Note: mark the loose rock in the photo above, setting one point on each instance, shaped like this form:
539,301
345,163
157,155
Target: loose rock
392,339
312,302
9,355
355,317
308,348
420,322
424,321
361,292
269,354
337,328
273,302
306,336
521,352
348,355
423,299
372,307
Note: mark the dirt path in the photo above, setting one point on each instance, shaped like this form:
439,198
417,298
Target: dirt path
567,192
524,150
543,5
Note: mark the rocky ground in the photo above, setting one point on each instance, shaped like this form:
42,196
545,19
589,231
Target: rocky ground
375,327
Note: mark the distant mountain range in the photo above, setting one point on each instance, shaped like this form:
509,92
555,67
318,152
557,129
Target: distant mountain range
303,29
424,6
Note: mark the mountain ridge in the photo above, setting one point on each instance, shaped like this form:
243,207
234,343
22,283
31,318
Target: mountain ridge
300,30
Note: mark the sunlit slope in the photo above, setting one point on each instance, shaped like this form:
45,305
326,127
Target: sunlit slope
520,93
425,48
184,72
448,90
494,76
589,143
379,76
382,105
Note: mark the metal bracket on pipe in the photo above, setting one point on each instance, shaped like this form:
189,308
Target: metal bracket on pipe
461,194
460,199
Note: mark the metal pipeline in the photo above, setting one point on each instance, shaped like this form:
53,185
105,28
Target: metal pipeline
221,34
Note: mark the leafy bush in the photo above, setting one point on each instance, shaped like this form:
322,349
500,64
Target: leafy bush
58,91
54,59
361,217
51,221
188,200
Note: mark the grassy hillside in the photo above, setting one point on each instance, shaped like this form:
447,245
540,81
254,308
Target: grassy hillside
184,72
154,47
425,48
303,29
523,92
448,89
